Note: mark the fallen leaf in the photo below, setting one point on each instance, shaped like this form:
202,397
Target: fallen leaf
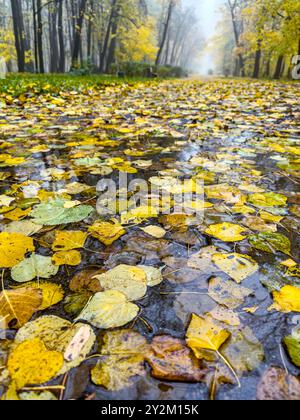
13,247
69,240
32,267
171,360
278,385
107,232
31,363
67,258
130,280
204,334
155,231
227,232
109,309
287,299
271,242
19,305
237,266
227,293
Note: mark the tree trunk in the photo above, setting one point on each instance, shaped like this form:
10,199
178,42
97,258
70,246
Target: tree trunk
165,32
78,32
279,67
62,62
113,42
40,37
107,36
19,33
257,61
36,60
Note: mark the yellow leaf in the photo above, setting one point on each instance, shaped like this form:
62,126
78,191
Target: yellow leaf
19,305
13,247
68,240
132,281
155,231
107,232
17,214
289,263
109,309
204,334
72,258
237,266
287,299
138,215
52,293
31,363
227,232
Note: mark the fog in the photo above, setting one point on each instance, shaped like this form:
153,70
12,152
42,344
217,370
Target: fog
208,13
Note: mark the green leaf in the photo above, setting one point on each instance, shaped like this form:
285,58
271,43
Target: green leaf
293,346
32,267
271,242
54,213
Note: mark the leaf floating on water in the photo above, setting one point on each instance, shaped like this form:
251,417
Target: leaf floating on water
124,353
58,334
227,232
19,305
31,363
292,343
154,275
204,334
69,240
155,231
237,266
131,281
52,293
271,242
227,292
109,309
55,213
278,385
32,267
287,299
171,360
107,232
13,248
267,199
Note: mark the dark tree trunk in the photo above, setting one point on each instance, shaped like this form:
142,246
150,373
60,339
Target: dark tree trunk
78,32
40,37
113,41
165,32
279,67
19,33
36,60
257,61
52,13
62,60
107,37
90,30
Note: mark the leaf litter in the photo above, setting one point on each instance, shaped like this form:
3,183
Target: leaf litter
173,280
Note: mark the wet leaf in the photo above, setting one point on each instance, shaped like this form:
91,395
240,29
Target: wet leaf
109,309
69,240
13,248
237,266
58,334
287,299
292,343
155,231
171,360
19,305
277,385
55,213
30,363
67,258
271,242
52,293
24,227
154,275
106,232
204,334
32,267
227,232
130,280
267,199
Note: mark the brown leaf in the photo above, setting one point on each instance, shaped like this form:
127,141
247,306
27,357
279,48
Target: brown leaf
277,385
84,281
172,360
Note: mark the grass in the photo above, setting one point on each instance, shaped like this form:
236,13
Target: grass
19,84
